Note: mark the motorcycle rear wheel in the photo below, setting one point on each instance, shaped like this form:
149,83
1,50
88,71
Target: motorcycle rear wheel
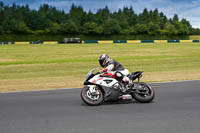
87,97
145,97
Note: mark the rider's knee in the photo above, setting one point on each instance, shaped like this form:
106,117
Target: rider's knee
119,75
125,79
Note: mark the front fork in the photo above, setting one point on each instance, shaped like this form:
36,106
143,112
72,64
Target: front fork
92,88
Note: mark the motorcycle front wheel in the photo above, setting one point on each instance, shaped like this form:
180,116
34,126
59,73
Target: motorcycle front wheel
92,99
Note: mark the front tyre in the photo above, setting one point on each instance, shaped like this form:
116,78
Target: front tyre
144,94
92,99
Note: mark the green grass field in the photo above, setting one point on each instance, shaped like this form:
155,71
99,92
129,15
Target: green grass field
195,37
36,67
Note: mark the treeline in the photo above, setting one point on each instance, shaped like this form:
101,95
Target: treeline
47,19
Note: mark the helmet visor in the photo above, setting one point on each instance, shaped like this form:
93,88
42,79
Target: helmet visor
101,62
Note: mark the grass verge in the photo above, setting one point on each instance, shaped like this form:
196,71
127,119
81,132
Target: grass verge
36,67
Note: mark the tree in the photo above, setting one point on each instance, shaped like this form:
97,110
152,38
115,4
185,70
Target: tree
102,15
163,20
111,27
76,14
37,22
175,18
175,21
54,28
155,16
69,27
1,11
1,29
132,17
141,29
144,18
21,28
99,30
90,28
122,17
183,30
9,25
153,29
20,19
132,30
170,29
187,25
1,6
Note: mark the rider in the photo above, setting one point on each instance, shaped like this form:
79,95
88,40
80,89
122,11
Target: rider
119,71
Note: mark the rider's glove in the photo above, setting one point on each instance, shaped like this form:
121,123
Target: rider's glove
104,70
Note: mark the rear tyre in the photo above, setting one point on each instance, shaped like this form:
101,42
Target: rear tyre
92,99
144,95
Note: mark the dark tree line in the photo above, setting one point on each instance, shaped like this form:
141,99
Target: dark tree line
47,19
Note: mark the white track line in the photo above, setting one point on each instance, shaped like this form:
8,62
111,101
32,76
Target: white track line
79,88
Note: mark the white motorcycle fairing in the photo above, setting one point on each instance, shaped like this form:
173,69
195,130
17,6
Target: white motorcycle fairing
103,81
109,84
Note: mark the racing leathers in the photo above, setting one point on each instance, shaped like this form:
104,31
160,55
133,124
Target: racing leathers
118,70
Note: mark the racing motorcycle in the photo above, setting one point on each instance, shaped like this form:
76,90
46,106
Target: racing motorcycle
103,87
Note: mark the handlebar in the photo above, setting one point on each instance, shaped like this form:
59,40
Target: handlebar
97,73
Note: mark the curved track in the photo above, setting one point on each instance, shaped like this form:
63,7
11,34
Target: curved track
176,109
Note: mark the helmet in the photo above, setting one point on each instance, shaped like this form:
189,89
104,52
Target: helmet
103,60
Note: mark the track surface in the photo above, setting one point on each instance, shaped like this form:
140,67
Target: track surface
176,109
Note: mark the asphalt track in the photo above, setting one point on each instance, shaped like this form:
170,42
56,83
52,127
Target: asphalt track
176,109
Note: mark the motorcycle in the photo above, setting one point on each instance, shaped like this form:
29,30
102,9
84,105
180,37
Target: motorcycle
105,87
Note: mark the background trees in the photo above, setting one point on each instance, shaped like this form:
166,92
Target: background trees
47,19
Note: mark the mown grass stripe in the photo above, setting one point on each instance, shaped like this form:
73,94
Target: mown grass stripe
45,62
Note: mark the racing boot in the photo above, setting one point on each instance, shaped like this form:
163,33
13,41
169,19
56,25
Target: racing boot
128,85
123,88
